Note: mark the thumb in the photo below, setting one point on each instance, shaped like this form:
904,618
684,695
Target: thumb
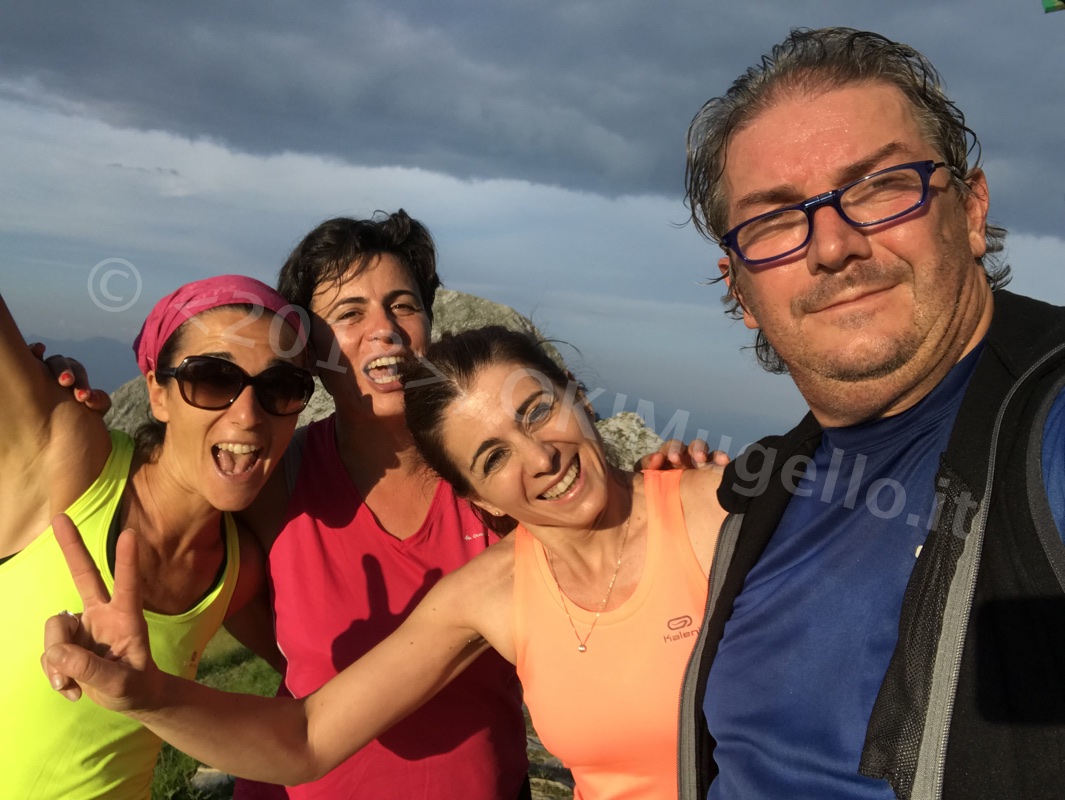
62,663
59,680
106,682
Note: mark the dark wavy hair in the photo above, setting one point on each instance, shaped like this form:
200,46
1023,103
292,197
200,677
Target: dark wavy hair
446,371
327,253
810,60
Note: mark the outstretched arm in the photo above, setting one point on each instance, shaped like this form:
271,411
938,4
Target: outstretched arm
272,739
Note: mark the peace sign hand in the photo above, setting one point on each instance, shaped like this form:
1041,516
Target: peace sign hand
106,653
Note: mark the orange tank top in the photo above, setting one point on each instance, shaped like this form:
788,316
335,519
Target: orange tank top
610,714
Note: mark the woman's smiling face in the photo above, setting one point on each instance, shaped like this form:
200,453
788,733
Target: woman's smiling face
528,448
226,455
364,327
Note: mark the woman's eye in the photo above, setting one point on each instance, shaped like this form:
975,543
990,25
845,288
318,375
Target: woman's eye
405,309
492,461
539,412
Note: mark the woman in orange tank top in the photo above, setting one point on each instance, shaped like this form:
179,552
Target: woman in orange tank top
595,597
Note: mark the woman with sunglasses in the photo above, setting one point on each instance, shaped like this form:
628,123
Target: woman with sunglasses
223,360
595,596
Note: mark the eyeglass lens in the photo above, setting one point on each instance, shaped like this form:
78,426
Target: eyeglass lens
212,383
877,198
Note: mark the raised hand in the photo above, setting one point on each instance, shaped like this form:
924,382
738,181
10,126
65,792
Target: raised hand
105,653
71,373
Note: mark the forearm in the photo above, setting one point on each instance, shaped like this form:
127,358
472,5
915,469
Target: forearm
264,738
267,738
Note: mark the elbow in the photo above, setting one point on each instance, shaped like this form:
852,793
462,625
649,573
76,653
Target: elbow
314,769
318,773
296,769
315,762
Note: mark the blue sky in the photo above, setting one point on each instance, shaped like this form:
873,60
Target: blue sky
145,145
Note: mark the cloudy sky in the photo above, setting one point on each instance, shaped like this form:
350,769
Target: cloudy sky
542,141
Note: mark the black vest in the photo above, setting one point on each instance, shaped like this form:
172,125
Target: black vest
973,701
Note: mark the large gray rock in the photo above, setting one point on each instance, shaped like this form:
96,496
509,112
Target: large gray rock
626,435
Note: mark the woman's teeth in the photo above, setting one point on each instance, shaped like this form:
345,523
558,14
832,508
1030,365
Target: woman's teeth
563,485
238,449
234,458
384,369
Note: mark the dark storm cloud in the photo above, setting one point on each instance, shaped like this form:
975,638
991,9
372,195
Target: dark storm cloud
592,96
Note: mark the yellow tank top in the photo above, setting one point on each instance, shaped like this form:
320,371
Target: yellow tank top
50,748
610,713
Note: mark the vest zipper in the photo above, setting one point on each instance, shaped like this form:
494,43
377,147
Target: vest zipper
978,528
724,547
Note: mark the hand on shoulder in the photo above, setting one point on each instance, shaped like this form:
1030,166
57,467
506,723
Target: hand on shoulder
673,454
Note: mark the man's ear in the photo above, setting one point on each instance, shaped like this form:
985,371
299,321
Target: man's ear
157,398
725,265
976,205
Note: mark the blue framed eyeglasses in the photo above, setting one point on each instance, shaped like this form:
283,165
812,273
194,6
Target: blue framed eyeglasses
881,197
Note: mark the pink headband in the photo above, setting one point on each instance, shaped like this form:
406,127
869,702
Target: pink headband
199,296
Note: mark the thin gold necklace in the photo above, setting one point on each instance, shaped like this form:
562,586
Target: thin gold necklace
582,644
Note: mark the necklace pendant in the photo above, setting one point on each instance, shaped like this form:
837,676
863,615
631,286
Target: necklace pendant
581,648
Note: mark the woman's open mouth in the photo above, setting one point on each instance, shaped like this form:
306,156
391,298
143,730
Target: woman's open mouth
565,483
384,370
234,458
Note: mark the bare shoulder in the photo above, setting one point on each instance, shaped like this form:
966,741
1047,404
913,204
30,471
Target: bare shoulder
480,596
703,513
489,574
701,484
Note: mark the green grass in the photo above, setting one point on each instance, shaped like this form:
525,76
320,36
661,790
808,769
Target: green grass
228,665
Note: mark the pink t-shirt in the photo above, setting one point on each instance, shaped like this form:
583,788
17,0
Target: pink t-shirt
340,585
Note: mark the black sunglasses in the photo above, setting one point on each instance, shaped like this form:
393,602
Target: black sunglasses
213,383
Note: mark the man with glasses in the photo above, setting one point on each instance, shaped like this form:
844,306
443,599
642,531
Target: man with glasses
889,589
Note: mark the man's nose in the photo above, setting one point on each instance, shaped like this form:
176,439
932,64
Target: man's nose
834,242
